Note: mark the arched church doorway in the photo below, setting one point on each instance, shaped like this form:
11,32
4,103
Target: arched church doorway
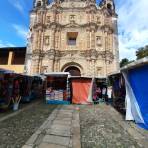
74,71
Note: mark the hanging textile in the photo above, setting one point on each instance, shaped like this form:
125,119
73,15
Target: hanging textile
80,90
137,95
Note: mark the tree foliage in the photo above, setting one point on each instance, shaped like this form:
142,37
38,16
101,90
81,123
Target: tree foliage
124,62
142,52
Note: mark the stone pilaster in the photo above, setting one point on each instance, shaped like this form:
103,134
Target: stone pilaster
35,64
53,38
92,39
88,38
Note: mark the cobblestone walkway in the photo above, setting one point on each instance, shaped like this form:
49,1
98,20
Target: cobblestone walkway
17,127
60,130
103,127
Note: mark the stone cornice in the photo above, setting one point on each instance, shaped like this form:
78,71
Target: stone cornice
70,25
83,53
92,26
91,54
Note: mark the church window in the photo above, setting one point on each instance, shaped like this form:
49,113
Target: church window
109,6
38,3
98,40
72,38
46,40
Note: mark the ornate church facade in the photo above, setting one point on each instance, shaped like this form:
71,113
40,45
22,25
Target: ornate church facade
76,36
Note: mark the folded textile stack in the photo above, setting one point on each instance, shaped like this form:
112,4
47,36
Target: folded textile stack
54,95
50,95
59,95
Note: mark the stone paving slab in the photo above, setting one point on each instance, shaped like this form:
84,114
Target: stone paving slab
60,130
59,140
64,115
62,122
64,119
59,127
46,145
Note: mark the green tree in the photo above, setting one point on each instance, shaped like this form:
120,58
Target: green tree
142,52
124,62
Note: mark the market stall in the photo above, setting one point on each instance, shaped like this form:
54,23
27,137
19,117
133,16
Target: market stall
57,89
16,88
100,90
7,92
136,80
25,87
116,83
38,87
86,90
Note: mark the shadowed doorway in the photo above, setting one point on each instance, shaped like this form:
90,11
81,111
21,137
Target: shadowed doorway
74,71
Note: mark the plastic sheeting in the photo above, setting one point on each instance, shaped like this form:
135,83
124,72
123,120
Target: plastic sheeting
137,95
80,91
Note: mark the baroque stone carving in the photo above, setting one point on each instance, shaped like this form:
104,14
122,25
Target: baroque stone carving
73,22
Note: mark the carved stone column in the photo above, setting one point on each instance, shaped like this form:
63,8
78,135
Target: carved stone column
51,65
57,39
39,39
56,65
51,59
88,66
93,63
92,38
88,16
36,40
53,38
88,38
28,63
35,65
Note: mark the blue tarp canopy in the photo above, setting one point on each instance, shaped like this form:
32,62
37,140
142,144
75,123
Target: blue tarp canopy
137,94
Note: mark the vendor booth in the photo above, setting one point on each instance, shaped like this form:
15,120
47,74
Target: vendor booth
5,88
38,87
61,88
57,88
33,87
136,80
16,88
116,84
86,90
9,89
25,87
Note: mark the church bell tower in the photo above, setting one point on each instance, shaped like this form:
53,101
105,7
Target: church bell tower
109,4
40,3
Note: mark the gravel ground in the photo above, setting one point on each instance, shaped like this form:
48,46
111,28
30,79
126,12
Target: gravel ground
100,130
15,131
4,113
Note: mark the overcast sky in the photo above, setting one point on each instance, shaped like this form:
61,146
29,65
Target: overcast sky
132,24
